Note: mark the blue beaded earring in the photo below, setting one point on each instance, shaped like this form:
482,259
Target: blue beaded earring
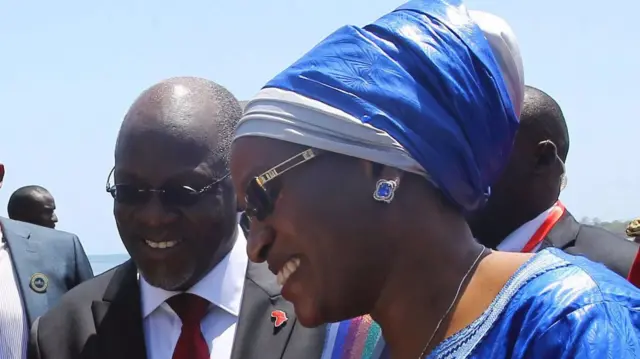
385,190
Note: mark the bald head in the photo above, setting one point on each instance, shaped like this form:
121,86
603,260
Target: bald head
195,112
542,119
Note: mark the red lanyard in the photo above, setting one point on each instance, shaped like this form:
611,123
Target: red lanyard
554,216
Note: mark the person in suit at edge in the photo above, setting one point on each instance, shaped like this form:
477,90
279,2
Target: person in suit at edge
524,213
37,266
633,230
188,291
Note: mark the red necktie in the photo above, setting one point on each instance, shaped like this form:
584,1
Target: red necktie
191,309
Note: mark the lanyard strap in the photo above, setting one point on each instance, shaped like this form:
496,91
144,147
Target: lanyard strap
556,212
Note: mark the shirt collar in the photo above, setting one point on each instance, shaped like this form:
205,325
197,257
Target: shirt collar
222,286
516,241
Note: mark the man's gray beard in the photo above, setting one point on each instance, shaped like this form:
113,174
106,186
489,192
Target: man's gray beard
161,278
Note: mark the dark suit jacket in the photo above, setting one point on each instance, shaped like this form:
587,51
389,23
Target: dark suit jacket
53,257
102,319
595,243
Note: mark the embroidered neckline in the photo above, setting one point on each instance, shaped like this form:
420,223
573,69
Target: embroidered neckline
462,343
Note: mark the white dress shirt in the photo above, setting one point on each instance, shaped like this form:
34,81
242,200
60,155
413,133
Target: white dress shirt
518,239
223,287
13,320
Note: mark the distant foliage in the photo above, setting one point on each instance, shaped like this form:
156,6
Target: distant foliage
618,227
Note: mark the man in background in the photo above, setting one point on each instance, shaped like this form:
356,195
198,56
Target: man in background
633,230
33,204
189,291
524,214
37,266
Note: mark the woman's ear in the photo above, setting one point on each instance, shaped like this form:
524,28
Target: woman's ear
377,171
391,174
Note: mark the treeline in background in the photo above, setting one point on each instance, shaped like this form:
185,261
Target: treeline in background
618,227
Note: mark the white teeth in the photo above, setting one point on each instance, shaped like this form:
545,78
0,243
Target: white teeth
287,270
161,245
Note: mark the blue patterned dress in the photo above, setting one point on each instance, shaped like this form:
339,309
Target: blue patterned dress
555,306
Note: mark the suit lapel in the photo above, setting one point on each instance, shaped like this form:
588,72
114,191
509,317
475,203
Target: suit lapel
563,234
26,261
256,334
118,317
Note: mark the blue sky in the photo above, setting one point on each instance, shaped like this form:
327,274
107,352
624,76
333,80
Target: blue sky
70,70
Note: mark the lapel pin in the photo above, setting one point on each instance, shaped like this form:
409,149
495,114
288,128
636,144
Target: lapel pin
280,318
39,283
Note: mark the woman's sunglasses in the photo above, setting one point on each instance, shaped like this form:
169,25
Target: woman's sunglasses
258,200
169,195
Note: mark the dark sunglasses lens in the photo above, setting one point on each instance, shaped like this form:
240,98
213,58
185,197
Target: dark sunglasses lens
178,196
259,205
128,194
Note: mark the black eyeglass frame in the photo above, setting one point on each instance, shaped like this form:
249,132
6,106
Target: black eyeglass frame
262,205
111,189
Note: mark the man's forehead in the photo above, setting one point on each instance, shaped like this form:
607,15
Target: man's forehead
161,155
174,122
157,155
41,196
165,164
50,203
168,142
178,123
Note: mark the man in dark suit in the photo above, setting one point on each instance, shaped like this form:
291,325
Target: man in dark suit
37,266
524,214
189,290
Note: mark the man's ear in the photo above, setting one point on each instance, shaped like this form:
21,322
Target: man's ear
546,156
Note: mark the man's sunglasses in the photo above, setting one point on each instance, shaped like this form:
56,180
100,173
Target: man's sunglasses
169,195
258,200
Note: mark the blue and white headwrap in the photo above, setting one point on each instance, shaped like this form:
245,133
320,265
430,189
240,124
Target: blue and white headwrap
428,88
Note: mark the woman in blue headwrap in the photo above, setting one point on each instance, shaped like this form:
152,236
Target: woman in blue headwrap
357,165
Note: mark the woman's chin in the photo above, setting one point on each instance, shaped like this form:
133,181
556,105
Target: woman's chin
308,313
